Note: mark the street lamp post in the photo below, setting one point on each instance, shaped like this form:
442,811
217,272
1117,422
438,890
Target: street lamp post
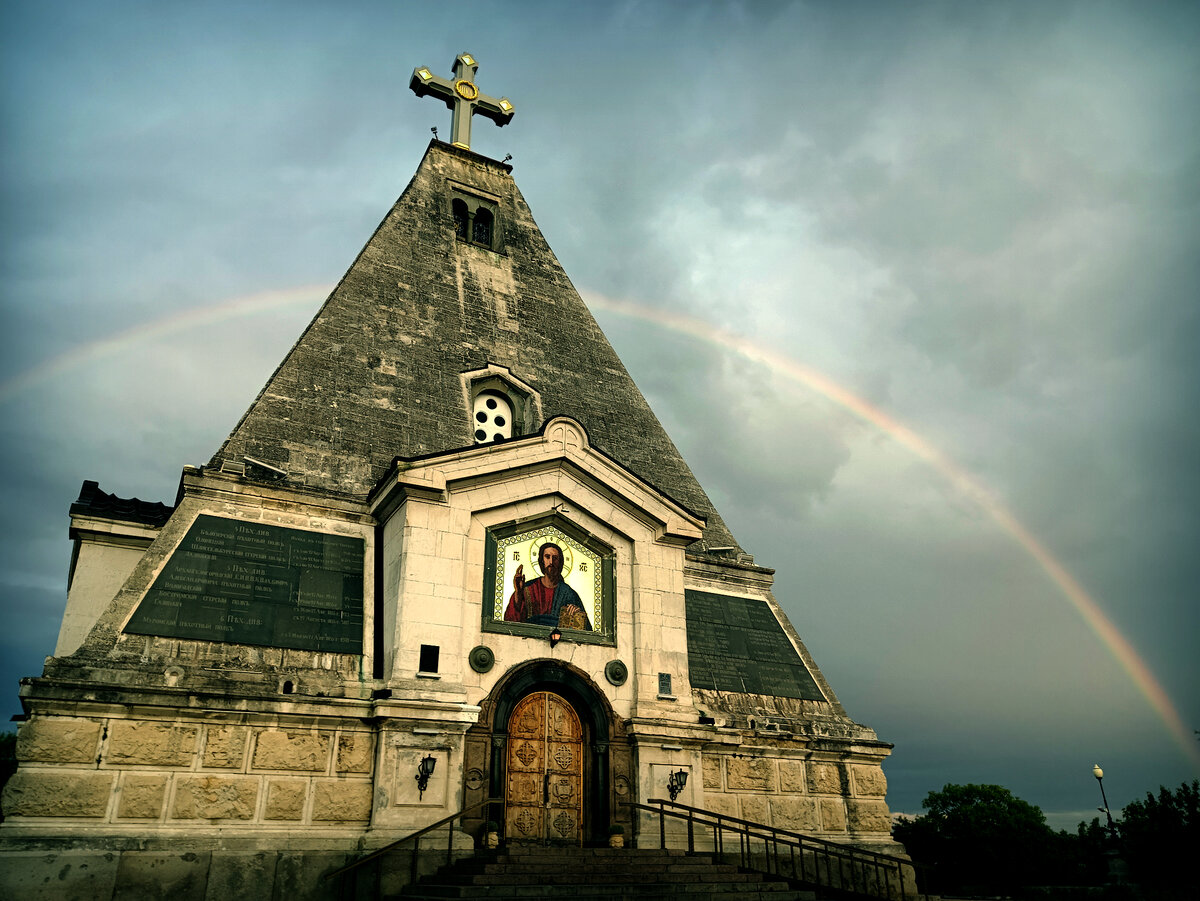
1099,774
1117,872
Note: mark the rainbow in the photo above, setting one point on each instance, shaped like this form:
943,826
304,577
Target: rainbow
238,307
969,487
1085,606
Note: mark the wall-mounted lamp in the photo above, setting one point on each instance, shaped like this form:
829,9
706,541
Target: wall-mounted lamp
555,636
424,771
675,783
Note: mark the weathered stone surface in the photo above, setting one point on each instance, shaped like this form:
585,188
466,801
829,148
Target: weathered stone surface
712,772
233,876
796,814
225,746
285,799
142,795
791,776
300,877
824,779
354,752
750,775
65,875
155,876
57,793
833,815
718,803
292,751
868,816
215,798
388,395
869,781
159,744
755,808
58,740
341,801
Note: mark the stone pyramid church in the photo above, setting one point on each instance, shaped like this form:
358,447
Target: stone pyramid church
448,554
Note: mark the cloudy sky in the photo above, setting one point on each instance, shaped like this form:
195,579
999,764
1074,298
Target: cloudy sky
912,286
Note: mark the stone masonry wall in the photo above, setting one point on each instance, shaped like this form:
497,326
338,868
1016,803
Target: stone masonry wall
376,374
179,772
809,795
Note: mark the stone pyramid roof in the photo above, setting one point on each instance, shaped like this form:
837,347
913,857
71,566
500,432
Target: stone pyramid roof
377,373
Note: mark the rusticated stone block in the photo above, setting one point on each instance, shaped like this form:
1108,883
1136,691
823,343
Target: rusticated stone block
57,794
341,801
292,751
791,776
833,815
754,808
142,795
159,744
757,774
868,816
869,781
225,746
58,740
796,814
215,798
285,799
354,752
824,779
726,804
712,772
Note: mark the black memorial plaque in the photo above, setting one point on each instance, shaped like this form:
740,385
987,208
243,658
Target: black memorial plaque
249,583
736,644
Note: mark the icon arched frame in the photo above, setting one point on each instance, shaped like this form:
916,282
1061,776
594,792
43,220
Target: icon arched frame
589,568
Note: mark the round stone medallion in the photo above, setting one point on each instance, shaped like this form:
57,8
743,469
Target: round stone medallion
616,672
481,659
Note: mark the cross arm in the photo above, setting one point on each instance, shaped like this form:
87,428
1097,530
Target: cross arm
499,111
425,84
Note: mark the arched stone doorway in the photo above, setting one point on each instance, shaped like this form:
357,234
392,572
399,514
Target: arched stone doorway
539,711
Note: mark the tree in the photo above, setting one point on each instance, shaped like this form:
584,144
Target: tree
1159,837
980,837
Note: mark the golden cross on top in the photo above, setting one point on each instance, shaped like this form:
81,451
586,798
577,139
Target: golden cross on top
463,97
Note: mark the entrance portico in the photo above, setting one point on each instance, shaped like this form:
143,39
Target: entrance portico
531,726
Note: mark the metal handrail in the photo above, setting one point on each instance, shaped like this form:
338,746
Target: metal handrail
415,838
857,863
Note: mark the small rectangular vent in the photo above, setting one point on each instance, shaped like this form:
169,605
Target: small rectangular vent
429,658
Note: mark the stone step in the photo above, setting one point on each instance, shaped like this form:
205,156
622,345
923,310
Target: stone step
598,874
642,892
793,895
649,869
624,878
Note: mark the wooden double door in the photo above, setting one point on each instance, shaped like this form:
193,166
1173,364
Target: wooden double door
544,775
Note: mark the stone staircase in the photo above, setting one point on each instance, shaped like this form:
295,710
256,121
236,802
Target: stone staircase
598,874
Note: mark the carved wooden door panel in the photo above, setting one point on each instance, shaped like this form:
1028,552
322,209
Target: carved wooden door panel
544,794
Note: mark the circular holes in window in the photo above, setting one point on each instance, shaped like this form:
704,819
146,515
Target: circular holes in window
493,417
